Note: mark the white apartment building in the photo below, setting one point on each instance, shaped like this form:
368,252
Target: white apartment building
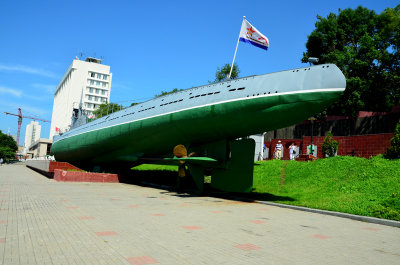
85,82
32,134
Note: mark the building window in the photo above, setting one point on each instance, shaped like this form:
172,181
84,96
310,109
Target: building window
92,74
97,83
104,77
103,92
91,82
97,91
104,100
91,90
104,84
98,76
89,97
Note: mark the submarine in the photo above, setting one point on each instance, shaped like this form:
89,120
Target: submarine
202,129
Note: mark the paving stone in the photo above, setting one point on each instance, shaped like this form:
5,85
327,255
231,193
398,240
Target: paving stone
141,260
48,222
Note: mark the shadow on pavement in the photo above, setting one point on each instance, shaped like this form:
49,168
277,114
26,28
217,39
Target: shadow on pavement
255,196
164,179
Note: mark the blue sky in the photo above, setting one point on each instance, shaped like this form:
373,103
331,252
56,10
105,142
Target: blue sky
150,45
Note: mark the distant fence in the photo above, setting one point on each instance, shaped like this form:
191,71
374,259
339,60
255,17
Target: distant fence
364,124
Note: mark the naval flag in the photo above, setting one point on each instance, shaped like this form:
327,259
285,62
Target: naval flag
250,34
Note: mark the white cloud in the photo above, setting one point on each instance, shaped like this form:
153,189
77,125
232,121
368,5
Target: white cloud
18,93
120,85
12,91
48,88
26,69
25,108
41,98
33,110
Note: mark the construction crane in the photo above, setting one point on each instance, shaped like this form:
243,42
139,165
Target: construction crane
20,116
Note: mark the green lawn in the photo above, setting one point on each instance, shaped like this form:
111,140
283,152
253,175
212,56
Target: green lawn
145,167
369,187
360,186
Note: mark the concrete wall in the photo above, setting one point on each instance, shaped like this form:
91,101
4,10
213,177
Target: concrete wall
43,165
76,176
259,150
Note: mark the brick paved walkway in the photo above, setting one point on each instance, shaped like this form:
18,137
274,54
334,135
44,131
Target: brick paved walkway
48,222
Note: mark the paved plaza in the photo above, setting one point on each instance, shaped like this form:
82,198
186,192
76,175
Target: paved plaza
47,222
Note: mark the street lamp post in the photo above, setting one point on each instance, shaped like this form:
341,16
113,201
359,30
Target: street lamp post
312,119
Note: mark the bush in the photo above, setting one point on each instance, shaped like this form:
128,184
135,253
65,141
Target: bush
394,149
329,146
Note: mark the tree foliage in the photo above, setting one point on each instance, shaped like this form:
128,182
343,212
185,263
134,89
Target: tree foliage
394,149
8,147
163,93
366,47
105,109
330,146
223,72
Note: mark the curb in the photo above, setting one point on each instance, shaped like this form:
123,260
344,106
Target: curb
366,219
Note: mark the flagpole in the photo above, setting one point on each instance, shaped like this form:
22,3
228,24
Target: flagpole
234,56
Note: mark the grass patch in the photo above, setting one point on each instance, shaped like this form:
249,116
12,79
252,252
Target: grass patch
156,167
160,174
75,170
368,187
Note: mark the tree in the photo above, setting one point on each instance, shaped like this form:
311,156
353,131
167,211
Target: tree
330,146
223,72
394,149
366,47
105,109
163,93
8,147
